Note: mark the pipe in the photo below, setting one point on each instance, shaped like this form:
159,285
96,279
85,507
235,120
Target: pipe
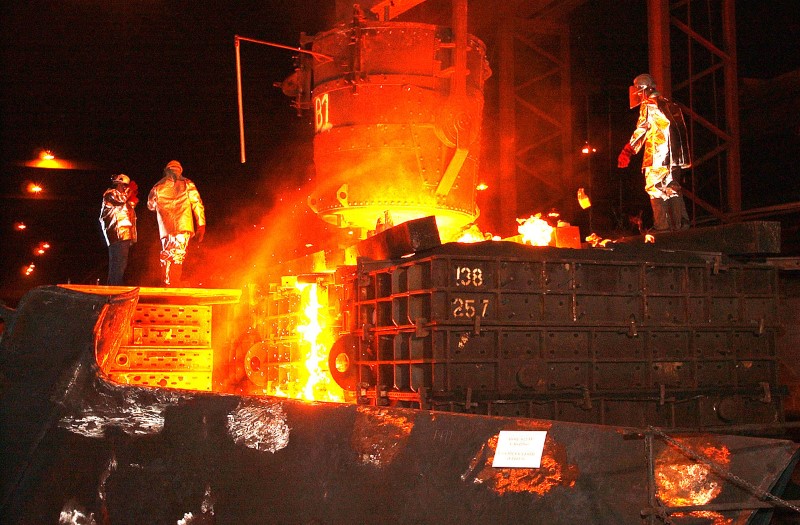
459,85
239,95
236,40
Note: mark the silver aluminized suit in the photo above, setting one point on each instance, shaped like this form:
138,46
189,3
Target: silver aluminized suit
181,216
118,222
661,131
117,217
177,204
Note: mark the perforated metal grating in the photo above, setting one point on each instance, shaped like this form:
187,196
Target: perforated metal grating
169,346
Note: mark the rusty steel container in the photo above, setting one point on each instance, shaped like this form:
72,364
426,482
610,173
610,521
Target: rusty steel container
397,118
640,336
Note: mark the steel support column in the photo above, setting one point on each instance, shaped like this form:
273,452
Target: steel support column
703,76
535,118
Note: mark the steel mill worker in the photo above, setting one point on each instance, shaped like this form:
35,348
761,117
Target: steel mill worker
662,131
181,216
118,222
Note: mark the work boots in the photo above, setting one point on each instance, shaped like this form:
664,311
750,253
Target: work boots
679,217
670,214
661,222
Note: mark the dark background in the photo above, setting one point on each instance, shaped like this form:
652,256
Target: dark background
120,86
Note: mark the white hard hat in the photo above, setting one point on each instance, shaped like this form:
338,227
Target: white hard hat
121,179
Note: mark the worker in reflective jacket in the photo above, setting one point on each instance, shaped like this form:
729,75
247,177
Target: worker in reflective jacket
181,216
118,222
661,130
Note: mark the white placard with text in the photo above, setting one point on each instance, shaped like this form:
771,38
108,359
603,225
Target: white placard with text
519,448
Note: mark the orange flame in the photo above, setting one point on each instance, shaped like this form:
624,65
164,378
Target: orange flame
535,230
474,234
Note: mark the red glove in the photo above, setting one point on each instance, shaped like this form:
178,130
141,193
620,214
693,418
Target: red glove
625,156
133,193
200,233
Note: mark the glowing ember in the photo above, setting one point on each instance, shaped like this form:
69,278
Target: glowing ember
595,240
583,199
535,230
472,235
555,471
681,481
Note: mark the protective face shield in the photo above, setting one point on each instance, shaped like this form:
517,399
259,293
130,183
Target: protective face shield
642,87
121,179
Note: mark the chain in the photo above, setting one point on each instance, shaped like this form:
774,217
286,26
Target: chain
660,512
761,494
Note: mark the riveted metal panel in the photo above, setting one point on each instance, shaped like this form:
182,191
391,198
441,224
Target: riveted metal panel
567,334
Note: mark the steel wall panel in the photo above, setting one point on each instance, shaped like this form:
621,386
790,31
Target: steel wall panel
473,331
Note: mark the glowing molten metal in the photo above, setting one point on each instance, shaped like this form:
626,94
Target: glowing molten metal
683,482
535,230
316,383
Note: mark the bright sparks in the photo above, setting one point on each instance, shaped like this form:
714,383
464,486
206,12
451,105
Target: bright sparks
535,230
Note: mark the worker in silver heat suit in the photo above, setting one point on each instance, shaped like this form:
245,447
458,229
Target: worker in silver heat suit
118,222
181,216
662,131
